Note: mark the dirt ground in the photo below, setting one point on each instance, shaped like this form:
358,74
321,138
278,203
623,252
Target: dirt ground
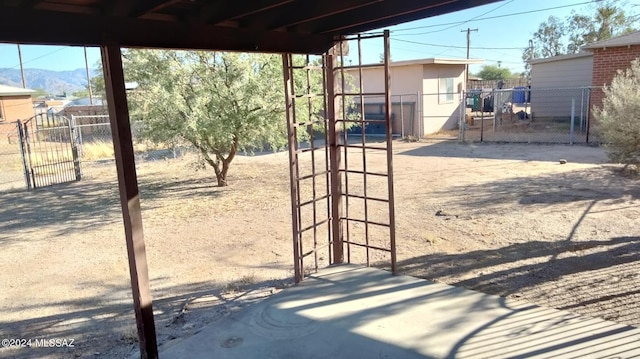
511,221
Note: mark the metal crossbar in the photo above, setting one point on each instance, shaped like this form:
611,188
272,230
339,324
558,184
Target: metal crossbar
349,148
325,183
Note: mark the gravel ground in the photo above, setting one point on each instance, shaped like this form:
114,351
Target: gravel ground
512,221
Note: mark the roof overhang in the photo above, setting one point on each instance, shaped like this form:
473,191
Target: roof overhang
295,26
429,61
561,58
6,91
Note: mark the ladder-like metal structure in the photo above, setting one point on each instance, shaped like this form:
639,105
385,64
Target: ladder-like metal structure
339,181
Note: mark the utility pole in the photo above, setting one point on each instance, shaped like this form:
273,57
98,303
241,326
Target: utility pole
466,70
24,83
86,64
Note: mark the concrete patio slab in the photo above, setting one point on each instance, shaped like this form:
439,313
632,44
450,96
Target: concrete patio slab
349,311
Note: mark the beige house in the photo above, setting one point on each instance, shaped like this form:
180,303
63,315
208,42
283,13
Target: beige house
425,94
15,103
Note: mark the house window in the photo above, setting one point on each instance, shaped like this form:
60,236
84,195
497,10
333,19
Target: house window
445,89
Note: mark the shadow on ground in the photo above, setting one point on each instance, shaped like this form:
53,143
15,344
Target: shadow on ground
88,204
543,189
105,325
604,274
522,152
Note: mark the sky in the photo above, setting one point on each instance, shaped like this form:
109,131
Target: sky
503,31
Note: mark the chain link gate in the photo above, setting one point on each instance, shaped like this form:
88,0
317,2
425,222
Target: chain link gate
49,151
341,189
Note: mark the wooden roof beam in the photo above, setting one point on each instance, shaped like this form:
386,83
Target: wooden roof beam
150,6
389,14
301,12
97,30
220,11
386,10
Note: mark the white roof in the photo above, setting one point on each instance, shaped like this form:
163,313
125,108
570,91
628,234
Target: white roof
560,58
429,61
14,91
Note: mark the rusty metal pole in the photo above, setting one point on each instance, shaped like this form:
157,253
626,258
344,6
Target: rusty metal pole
387,84
129,199
293,163
334,155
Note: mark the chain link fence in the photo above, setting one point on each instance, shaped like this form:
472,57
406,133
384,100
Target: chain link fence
12,173
528,115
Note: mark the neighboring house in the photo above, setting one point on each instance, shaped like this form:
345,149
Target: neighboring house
50,106
553,78
609,56
15,103
428,90
555,82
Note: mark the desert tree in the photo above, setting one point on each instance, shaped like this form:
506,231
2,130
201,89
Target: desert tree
490,72
601,20
219,103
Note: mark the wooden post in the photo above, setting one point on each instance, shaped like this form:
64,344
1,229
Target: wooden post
334,155
293,163
129,198
387,115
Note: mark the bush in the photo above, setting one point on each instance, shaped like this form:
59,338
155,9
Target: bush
618,120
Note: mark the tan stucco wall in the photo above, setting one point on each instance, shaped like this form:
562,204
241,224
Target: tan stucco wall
436,115
14,108
408,82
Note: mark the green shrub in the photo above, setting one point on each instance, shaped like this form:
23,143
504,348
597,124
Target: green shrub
618,120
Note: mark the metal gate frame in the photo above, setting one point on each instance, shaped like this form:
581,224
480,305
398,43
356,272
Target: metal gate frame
49,151
335,148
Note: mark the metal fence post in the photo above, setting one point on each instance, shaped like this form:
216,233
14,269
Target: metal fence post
420,116
588,113
74,148
401,118
462,122
573,116
22,140
582,122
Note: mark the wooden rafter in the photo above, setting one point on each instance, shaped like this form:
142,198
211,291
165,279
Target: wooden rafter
97,30
149,6
301,12
221,11
387,13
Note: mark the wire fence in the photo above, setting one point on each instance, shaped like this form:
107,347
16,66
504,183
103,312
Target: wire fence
528,115
93,142
12,173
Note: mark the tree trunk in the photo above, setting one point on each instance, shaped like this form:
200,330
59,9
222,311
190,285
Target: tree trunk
221,173
222,180
221,164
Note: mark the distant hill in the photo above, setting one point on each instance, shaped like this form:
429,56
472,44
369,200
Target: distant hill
53,82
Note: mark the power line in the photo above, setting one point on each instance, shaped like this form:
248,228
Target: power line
39,57
481,18
476,17
458,47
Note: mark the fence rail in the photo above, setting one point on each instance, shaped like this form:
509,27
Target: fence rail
530,115
48,149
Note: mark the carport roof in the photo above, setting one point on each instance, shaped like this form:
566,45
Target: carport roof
296,26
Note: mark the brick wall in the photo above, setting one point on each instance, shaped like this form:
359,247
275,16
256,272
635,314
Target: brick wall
606,63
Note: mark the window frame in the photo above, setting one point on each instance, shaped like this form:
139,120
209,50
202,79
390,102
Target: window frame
446,90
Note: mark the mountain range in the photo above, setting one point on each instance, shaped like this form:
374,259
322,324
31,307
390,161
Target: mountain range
53,82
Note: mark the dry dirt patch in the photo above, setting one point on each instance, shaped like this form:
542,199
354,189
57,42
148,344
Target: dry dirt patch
516,223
